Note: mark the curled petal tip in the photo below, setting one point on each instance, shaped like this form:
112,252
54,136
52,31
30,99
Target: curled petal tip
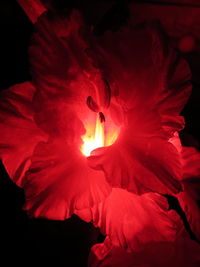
92,104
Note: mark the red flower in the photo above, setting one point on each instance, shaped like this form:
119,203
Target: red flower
133,87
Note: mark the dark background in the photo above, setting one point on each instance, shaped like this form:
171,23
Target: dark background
31,242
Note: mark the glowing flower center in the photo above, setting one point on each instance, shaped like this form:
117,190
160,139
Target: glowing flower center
96,137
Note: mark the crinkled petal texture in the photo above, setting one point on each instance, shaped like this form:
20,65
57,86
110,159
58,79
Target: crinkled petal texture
19,133
143,76
59,182
60,65
189,199
183,252
192,211
144,71
175,83
132,221
151,83
191,163
140,165
56,72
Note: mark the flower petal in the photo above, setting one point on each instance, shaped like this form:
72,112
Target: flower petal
189,199
140,165
191,162
175,81
183,252
132,221
58,118
60,182
64,74
192,212
19,133
145,72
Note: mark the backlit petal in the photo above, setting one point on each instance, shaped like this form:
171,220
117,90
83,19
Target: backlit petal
140,165
60,182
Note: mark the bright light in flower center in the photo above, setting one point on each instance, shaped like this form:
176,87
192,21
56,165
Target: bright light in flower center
93,141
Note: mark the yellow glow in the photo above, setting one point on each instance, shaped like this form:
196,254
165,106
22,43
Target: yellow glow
93,140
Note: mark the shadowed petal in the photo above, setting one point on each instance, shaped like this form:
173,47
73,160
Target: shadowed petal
189,199
19,133
145,72
132,221
183,252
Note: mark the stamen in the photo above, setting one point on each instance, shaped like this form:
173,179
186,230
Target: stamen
102,117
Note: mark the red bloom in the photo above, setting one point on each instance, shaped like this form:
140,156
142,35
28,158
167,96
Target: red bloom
132,87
